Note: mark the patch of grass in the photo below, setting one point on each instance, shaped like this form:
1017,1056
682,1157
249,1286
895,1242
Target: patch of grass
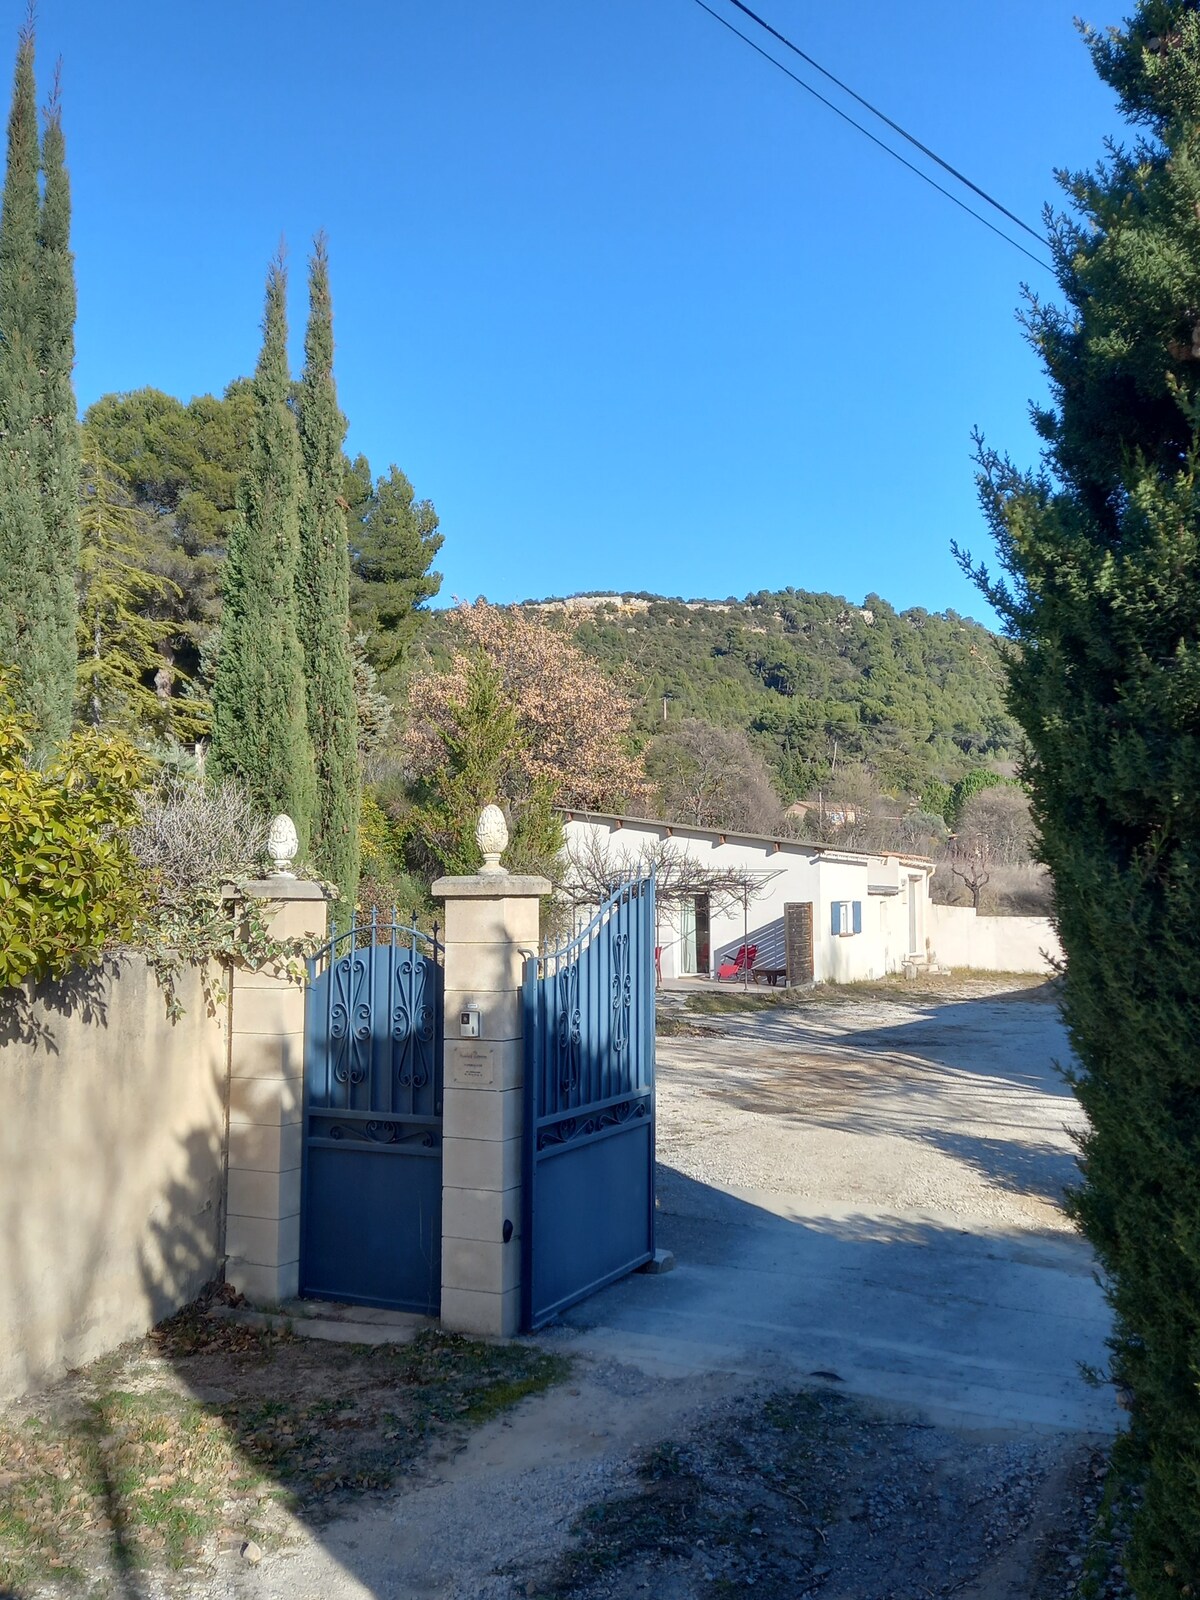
1109,1533
143,1473
959,984
724,1002
664,1519
137,1472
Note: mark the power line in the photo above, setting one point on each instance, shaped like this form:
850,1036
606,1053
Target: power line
895,154
895,126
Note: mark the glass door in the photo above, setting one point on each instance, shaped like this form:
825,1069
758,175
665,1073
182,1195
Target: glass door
687,937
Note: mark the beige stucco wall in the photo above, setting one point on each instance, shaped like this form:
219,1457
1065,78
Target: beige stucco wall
960,938
112,1144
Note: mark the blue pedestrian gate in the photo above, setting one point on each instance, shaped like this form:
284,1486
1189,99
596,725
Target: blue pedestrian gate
371,1204
589,1107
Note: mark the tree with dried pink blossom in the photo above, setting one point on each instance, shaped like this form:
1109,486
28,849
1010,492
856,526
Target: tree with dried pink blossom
574,722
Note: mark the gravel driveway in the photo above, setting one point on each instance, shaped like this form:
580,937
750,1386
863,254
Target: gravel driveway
873,1187
864,1199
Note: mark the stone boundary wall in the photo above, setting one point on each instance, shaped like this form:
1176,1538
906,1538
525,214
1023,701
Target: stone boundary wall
959,937
112,1161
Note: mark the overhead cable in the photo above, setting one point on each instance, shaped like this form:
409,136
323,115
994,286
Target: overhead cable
883,117
895,154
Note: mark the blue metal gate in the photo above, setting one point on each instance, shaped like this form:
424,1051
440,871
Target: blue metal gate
589,1107
371,1200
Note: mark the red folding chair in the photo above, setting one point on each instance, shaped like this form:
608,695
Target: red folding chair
742,961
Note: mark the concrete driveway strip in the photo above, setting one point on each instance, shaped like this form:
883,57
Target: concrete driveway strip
902,1227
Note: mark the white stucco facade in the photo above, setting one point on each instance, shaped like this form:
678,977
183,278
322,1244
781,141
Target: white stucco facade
878,903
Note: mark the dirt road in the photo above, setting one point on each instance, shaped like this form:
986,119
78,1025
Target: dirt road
862,1379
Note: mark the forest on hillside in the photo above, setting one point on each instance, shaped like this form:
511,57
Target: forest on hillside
784,713
818,683
820,686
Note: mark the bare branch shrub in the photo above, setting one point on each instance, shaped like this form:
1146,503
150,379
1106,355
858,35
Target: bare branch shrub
594,869
191,833
970,861
1001,816
713,777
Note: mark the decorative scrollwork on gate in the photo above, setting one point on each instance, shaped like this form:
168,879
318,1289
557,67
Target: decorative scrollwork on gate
401,1014
568,1129
568,1033
347,1038
414,1022
622,990
377,1131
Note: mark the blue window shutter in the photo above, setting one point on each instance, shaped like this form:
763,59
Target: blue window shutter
836,926
858,916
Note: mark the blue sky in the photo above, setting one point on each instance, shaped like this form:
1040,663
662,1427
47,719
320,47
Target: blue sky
630,307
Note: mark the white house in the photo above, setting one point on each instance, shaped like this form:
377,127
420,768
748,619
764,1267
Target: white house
816,913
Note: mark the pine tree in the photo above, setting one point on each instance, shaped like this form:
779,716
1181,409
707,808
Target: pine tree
119,634
59,463
395,540
27,591
1102,549
260,723
324,598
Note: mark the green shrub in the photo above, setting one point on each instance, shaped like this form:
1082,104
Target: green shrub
69,885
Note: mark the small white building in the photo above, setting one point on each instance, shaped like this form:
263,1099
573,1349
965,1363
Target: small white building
815,913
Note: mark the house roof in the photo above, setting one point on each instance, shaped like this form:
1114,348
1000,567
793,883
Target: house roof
724,834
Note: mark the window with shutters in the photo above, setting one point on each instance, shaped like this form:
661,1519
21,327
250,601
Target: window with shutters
846,917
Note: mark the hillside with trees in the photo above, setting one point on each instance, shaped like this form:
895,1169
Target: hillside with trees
784,713
817,683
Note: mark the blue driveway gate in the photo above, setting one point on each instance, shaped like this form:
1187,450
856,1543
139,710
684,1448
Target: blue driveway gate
371,1206
589,1107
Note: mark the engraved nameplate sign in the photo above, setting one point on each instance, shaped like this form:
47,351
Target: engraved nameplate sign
472,1066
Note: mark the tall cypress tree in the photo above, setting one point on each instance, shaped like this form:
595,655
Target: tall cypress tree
28,634
324,596
59,464
1102,548
260,723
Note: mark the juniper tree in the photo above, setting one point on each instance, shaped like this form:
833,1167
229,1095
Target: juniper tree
1102,551
59,460
324,600
30,638
260,722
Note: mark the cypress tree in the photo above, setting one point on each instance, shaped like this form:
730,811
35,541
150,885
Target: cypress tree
324,596
1102,551
260,724
59,463
28,632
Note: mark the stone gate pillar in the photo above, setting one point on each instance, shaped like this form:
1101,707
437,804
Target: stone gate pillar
491,926
266,1100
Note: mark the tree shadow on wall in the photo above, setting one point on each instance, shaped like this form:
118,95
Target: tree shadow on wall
83,994
92,1249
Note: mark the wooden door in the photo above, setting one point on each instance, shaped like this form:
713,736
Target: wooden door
798,941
